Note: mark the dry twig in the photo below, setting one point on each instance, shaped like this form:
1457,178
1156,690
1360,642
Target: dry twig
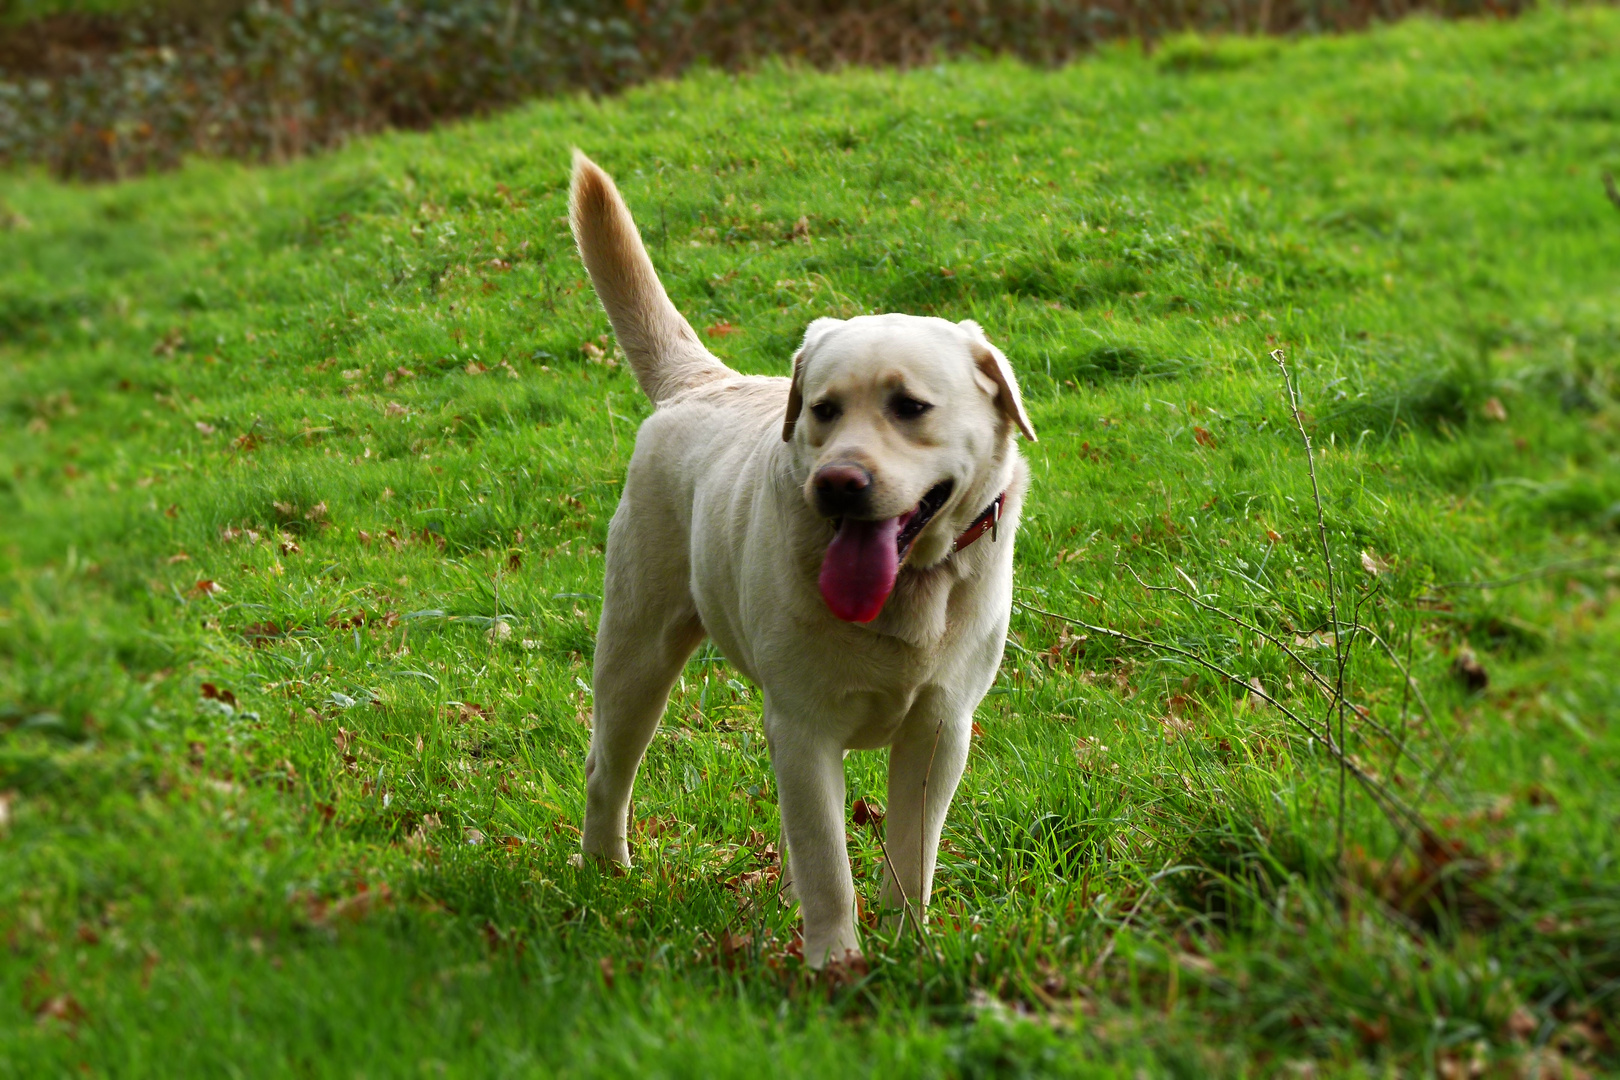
1392,805
1321,682
1332,590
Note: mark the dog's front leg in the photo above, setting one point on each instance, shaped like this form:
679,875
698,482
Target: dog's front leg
810,789
925,765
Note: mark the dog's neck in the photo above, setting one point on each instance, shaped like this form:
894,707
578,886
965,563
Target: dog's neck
987,522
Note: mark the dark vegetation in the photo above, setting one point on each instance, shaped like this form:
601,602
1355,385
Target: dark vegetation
110,89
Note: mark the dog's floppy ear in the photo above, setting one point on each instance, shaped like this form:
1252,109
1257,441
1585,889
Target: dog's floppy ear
993,365
795,405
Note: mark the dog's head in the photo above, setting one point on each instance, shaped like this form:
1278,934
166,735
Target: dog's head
898,422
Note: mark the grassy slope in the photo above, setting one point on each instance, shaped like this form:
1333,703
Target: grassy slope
1415,214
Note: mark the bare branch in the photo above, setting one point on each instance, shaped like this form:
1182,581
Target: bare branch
1408,684
1272,638
1321,683
1405,670
1392,805
905,901
1327,565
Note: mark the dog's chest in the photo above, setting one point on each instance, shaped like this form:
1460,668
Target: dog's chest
873,719
868,685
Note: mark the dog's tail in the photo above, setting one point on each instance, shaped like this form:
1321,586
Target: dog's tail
663,349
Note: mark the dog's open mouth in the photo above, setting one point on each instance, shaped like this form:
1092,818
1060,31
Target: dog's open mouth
915,520
863,560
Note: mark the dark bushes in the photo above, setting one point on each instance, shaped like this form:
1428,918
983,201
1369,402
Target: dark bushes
105,96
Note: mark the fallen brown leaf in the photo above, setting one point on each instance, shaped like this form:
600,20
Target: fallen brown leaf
1373,564
653,827
864,813
731,949
1090,753
214,693
843,971
1469,671
1373,1032
262,633
351,908
62,1007
1174,727
168,343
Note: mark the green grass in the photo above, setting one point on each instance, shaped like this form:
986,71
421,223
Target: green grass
282,449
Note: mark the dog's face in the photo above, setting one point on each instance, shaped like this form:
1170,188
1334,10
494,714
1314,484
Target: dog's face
896,420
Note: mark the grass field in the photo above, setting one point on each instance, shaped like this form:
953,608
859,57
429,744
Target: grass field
305,475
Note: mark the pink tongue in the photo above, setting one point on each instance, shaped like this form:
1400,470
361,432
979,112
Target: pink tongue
858,571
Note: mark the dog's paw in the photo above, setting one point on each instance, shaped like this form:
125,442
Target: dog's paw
838,951
604,848
845,970
579,860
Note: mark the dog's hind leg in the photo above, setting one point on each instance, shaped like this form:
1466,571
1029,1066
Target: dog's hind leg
645,638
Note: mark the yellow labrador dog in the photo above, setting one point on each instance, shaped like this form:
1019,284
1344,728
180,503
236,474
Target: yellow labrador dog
844,536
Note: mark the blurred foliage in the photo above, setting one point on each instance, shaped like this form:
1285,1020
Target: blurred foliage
107,89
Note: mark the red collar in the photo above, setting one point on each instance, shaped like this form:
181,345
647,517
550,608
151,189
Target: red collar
987,521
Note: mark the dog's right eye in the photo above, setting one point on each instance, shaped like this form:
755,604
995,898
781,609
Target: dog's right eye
825,411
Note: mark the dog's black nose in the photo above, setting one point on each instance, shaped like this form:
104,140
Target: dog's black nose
842,489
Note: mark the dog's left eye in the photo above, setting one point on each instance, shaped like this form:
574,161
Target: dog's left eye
907,407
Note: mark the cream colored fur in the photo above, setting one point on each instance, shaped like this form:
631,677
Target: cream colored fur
716,535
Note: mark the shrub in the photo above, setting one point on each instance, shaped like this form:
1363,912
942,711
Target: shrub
116,92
